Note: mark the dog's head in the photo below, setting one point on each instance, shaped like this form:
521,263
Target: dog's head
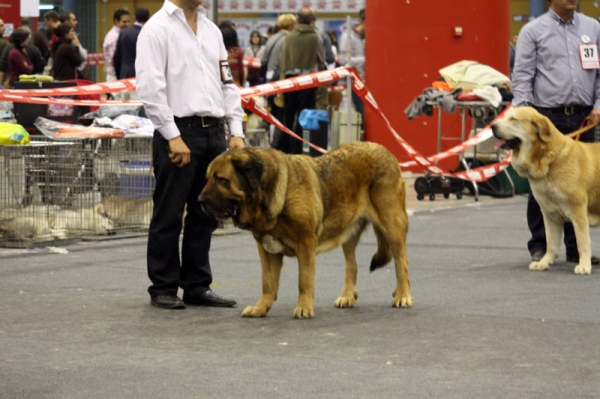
530,136
232,182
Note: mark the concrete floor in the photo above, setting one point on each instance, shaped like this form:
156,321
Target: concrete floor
79,325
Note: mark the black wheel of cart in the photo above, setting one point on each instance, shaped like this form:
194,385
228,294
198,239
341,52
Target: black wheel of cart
432,197
420,197
459,195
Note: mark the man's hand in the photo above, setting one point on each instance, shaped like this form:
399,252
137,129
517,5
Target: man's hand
595,115
179,152
236,142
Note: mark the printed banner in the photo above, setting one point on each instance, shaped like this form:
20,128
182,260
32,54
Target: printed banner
282,6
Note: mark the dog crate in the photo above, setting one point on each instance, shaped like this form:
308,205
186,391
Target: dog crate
86,189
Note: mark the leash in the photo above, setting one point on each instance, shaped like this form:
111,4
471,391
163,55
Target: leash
585,126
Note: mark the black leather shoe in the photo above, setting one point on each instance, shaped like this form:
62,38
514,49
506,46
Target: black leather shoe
537,256
575,259
167,302
209,298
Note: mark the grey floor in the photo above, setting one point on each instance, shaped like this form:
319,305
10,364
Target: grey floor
79,325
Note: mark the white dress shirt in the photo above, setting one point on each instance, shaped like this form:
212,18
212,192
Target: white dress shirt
109,46
178,72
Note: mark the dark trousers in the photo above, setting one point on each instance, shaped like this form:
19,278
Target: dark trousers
565,124
359,105
295,102
278,114
175,188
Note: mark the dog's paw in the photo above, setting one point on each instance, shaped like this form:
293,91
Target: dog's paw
304,312
345,301
538,266
399,301
254,311
581,269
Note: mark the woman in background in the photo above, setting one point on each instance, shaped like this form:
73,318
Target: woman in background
19,62
235,54
65,53
256,48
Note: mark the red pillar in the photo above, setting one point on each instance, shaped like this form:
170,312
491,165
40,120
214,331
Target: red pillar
407,42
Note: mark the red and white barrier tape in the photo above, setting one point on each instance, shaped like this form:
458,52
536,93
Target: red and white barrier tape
311,80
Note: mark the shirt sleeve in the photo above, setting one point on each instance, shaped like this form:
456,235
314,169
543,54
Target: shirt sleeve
524,70
597,83
151,81
234,114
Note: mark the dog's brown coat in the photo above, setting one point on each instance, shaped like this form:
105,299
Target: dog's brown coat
564,176
296,205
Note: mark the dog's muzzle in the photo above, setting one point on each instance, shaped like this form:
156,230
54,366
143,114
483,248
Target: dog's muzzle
230,211
510,144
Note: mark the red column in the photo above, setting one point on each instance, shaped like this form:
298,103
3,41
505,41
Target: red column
407,42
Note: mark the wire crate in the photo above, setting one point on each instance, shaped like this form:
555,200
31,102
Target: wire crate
88,189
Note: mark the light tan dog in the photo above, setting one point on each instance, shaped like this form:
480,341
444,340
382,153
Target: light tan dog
298,206
564,176
125,211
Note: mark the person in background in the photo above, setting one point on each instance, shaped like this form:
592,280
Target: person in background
18,60
65,53
125,52
550,75
356,59
188,113
3,41
121,20
33,53
271,31
51,20
69,17
271,64
334,49
235,53
255,49
302,53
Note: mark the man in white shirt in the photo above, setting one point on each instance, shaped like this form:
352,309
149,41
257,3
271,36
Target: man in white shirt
184,82
121,20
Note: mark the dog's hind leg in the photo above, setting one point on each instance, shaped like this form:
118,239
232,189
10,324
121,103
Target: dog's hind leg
349,293
271,265
391,227
553,230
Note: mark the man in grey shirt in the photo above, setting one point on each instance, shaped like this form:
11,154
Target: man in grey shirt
557,72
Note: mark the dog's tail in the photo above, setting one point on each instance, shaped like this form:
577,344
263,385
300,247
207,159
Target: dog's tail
383,256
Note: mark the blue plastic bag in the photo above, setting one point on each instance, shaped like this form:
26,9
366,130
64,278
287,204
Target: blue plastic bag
309,118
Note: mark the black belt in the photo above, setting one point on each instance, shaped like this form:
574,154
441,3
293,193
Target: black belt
566,109
204,121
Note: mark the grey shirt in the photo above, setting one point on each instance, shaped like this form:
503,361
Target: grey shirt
548,71
357,52
273,51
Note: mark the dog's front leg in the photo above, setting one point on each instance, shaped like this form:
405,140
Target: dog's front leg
306,253
271,265
553,228
582,235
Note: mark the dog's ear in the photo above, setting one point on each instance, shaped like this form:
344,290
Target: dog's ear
249,168
544,127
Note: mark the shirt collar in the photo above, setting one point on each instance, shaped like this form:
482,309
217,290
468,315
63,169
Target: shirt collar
171,8
556,18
